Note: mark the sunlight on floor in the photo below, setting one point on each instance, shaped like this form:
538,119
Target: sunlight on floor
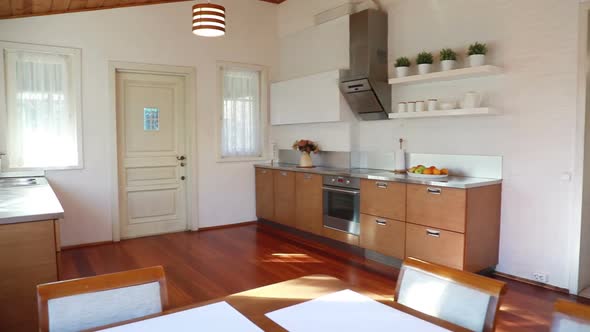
290,258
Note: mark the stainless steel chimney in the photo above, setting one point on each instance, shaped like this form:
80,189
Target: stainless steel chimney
365,85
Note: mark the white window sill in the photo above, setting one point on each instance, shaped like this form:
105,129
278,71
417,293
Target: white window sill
241,159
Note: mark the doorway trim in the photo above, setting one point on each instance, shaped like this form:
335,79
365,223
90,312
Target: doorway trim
189,73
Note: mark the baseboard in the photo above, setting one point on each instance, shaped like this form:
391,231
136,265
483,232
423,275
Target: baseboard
531,282
240,224
84,245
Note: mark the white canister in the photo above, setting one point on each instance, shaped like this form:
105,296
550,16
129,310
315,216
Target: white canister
432,104
401,108
471,100
412,106
420,106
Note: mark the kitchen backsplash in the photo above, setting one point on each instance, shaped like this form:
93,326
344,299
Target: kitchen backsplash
459,165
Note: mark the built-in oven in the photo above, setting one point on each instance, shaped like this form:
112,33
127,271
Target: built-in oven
342,203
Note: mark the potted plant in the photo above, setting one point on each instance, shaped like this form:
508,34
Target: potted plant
402,66
477,54
306,147
448,59
424,61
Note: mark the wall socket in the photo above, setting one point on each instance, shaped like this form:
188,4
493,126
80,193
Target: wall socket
541,277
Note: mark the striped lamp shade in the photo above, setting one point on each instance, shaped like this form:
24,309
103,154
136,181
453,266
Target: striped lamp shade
208,20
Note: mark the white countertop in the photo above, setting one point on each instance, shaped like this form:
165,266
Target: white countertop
29,203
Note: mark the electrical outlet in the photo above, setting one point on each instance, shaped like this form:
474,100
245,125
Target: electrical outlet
541,277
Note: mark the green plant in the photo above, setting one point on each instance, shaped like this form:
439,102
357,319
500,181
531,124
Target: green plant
478,48
424,58
447,54
402,62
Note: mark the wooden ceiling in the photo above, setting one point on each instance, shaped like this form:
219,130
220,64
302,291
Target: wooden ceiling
24,8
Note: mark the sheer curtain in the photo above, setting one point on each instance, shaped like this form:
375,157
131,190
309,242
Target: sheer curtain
240,129
42,128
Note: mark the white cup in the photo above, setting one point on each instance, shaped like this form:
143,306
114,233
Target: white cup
432,104
411,106
420,106
401,108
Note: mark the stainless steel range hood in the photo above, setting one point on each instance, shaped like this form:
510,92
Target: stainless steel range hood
365,85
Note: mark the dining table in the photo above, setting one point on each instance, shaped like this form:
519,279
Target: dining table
256,303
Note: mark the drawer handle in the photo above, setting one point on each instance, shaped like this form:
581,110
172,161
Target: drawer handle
434,191
381,222
263,171
432,233
382,185
284,173
307,176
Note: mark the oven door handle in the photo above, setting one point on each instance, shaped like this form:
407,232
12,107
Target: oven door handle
343,191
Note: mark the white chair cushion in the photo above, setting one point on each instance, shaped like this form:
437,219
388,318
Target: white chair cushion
85,311
562,323
444,299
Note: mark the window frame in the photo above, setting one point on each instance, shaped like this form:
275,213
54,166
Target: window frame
264,113
75,56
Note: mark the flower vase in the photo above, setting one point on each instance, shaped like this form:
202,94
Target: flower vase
305,160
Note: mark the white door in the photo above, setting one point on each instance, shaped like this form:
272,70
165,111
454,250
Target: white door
151,153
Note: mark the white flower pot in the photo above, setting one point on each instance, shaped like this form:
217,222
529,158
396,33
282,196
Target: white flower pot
424,68
401,71
305,160
476,60
448,65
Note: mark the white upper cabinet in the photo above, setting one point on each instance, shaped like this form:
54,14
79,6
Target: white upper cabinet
310,99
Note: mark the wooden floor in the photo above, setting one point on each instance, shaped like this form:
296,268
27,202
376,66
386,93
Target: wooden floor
206,265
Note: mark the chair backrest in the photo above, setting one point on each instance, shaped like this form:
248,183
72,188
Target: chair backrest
462,298
570,317
79,304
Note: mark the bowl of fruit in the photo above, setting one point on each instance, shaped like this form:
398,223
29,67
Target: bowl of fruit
423,172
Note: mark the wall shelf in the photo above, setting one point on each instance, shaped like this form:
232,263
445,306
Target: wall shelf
455,74
450,113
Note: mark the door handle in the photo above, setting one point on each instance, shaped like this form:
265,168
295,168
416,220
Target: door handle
183,178
181,164
432,233
434,191
381,222
284,173
382,185
180,158
307,176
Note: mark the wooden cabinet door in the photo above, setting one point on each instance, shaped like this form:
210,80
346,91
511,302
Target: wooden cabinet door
385,236
284,200
309,202
264,194
383,199
435,245
437,207
27,259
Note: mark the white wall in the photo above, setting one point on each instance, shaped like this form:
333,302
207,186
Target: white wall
157,34
536,42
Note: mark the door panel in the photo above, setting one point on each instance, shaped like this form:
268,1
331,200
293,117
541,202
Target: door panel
284,183
309,202
384,236
383,199
435,245
437,207
150,136
264,194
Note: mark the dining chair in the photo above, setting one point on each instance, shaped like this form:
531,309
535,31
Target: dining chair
570,317
79,304
463,298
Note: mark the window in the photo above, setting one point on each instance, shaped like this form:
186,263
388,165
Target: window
243,112
42,103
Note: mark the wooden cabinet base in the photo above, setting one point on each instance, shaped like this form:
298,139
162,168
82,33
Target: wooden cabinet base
27,258
340,236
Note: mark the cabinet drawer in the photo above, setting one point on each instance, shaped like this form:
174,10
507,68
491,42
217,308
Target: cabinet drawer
385,236
437,207
383,199
435,245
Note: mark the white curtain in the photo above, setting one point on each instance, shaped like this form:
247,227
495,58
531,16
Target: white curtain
41,111
240,129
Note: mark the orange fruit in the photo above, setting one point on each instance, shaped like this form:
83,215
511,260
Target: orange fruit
444,171
436,171
427,171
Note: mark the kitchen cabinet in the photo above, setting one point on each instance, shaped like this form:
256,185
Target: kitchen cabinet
385,236
284,197
383,199
454,227
309,99
265,194
28,257
309,202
